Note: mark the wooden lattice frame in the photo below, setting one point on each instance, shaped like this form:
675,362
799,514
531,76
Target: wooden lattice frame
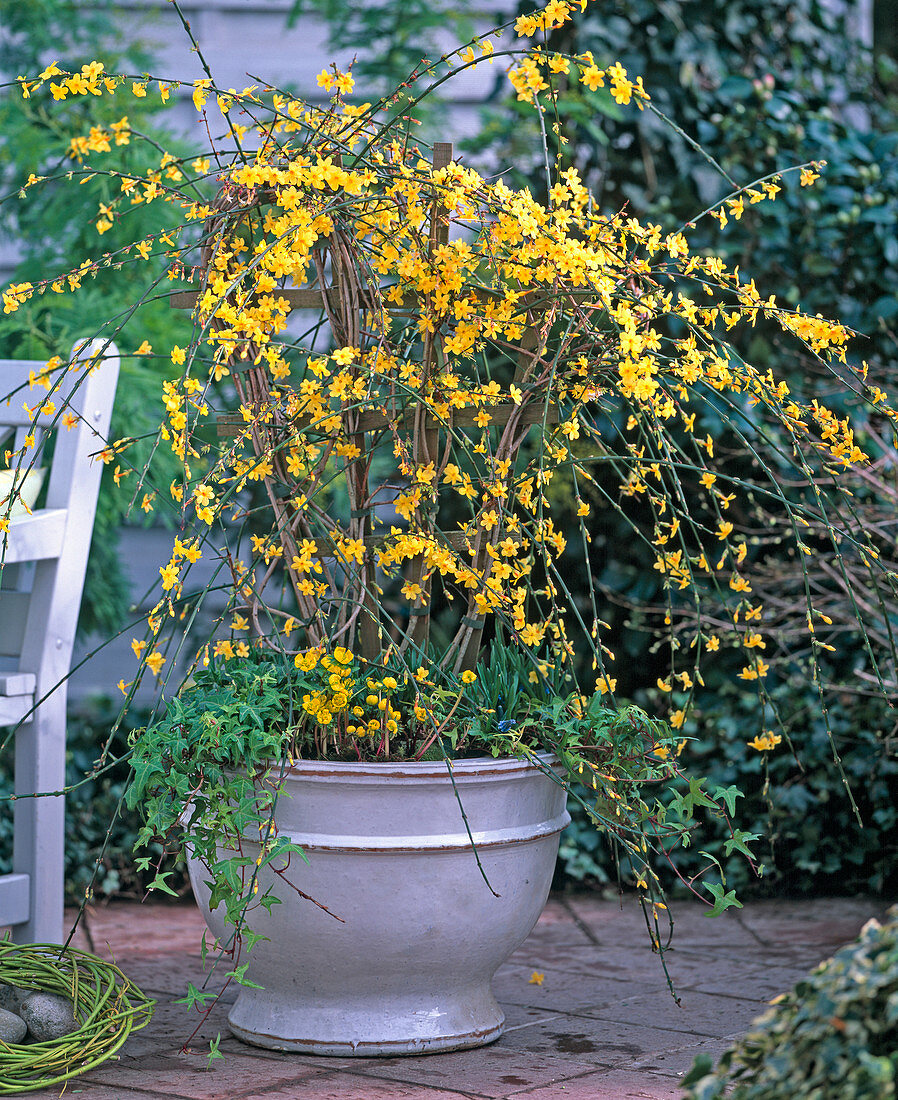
343,302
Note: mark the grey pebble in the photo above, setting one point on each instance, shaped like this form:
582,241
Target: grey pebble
12,1027
11,996
48,1016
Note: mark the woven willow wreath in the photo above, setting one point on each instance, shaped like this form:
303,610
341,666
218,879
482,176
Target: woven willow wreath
107,1005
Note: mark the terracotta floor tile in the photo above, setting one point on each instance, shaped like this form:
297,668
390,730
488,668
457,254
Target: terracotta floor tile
184,1075
636,963
695,964
783,922
79,1089
608,1085
624,964
492,1071
756,981
136,930
563,934
702,1014
601,1026
168,974
555,912
586,1039
568,991
678,1060
346,1086
173,1025
524,1015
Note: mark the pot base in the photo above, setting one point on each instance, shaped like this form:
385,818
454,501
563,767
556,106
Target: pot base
381,1029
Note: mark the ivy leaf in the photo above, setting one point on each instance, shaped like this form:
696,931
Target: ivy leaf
197,998
251,938
739,842
697,796
684,804
728,796
214,1052
239,976
722,901
267,901
159,883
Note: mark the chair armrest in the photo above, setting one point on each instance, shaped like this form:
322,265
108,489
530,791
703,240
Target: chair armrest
17,683
35,537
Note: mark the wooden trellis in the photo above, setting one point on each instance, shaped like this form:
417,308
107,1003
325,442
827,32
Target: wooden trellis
428,437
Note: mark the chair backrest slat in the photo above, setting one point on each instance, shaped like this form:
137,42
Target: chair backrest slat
81,421
13,615
43,558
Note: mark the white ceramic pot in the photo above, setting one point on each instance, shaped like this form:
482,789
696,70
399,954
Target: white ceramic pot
409,968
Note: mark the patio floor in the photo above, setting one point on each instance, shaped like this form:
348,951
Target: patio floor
600,1026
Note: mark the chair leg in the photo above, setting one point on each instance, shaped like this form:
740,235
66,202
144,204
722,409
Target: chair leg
39,822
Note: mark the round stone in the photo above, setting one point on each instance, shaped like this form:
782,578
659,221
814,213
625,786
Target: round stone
11,996
12,1027
48,1016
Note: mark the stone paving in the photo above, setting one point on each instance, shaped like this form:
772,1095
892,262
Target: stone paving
600,1026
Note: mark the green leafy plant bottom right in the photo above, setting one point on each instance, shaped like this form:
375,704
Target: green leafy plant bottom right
833,1037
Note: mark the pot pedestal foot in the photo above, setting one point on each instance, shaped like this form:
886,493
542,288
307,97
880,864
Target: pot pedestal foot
375,1028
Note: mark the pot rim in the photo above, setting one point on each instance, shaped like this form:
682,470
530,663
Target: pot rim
469,768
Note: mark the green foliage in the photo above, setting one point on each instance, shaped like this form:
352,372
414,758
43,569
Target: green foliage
758,87
813,841
33,31
234,714
97,826
60,233
210,767
840,254
833,1037
509,685
389,40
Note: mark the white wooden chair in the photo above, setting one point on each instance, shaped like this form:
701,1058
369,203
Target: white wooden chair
43,557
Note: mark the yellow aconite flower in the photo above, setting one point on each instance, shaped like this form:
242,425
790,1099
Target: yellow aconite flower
593,78
155,661
765,742
200,93
169,575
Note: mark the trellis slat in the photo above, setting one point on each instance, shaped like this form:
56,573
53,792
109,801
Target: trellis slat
231,425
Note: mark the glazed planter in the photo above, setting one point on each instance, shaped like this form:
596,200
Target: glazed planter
409,968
